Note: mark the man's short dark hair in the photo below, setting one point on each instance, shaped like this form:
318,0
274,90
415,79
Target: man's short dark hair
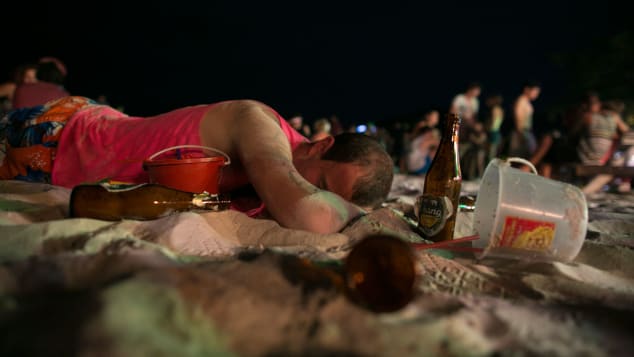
532,84
49,72
473,85
372,189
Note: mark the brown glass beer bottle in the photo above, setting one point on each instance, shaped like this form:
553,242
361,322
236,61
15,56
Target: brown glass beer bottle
438,205
380,273
141,202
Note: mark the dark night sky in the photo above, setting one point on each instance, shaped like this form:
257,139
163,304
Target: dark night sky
362,62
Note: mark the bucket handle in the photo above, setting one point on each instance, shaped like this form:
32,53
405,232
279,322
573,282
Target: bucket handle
522,161
227,162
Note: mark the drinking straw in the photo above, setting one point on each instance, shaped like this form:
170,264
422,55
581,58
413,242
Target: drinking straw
440,245
460,249
448,244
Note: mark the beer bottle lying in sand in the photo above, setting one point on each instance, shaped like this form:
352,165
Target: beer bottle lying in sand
379,273
142,202
438,205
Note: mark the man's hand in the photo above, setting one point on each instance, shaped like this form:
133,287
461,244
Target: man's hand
382,221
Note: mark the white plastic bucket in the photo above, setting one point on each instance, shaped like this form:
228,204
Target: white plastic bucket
523,215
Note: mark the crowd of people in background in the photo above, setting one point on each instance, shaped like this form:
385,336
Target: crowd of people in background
591,133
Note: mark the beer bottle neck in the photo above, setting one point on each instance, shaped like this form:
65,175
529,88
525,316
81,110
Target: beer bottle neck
180,200
452,127
210,201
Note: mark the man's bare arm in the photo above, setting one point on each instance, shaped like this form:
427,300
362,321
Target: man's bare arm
265,154
621,126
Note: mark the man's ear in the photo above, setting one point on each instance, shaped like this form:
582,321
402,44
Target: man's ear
318,148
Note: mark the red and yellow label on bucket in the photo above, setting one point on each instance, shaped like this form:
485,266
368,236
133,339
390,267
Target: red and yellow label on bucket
522,233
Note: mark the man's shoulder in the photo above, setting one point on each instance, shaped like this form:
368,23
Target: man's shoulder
521,100
459,100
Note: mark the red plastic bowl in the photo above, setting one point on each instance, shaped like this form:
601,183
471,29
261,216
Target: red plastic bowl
187,174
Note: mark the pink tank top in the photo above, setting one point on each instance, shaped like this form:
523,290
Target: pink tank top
99,143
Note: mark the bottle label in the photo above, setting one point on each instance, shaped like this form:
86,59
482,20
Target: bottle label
433,213
528,234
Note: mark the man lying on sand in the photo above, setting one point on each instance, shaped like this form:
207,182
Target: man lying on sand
318,186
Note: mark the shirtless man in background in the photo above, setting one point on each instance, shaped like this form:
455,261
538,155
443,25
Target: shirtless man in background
523,142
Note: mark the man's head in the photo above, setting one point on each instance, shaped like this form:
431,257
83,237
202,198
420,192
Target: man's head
50,72
532,89
322,125
354,166
591,102
25,74
473,89
296,121
432,118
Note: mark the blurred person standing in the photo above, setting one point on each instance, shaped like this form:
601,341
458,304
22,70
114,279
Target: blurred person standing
599,139
600,130
473,158
335,125
297,122
321,129
467,104
472,135
493,123
522,141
